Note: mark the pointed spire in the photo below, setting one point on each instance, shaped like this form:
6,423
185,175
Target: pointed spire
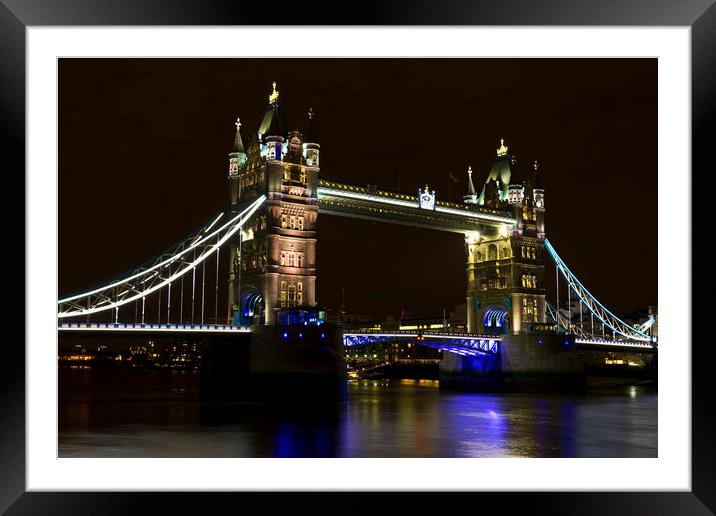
471,196
502,151
273,97
536,176
311,133
273,123
238,142
470,185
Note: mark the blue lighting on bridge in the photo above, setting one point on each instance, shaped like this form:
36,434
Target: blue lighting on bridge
462,344
300,335
495,317
285,335
301,316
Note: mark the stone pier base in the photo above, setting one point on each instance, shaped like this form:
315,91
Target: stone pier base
283,363
526,363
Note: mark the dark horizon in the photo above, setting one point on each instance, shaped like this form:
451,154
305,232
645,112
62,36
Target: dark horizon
143,147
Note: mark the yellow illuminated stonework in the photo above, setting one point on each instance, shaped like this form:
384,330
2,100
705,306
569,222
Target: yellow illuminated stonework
472,237
502,151
273,97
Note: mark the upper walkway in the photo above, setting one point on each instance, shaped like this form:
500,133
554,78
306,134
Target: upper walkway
422,210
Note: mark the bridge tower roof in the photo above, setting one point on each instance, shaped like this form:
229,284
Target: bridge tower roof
238,146
471,196
501,171
273,123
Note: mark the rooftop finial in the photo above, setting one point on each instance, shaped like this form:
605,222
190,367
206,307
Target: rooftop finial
238,123
273,97
311,114
502,151
469,171
536,165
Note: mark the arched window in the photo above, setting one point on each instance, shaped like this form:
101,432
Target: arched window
492,252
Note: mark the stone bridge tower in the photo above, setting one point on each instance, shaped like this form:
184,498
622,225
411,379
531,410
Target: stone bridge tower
274,258
506,270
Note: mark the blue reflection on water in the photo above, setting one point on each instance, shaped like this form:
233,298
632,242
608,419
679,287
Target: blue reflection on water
153,414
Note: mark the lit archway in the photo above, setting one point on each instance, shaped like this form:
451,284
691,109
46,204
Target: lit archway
494,318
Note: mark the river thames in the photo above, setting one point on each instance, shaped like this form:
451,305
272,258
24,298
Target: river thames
108,412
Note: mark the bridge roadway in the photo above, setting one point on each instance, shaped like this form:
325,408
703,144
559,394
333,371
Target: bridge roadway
142,328
460,343
473,344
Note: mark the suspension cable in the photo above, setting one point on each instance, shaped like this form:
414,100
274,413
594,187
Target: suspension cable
159,308
181,302
203,284
602,313
146,279
216,296
193,291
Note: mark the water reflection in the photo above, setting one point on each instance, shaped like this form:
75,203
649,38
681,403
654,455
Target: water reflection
126,413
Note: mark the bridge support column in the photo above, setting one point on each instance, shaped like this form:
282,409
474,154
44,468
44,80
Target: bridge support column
539,363
525,363
471,315
303,363
480,373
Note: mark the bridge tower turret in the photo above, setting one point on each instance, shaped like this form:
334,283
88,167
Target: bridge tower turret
505,284
237,162
471,195
237,159
276,256
311,149
539,202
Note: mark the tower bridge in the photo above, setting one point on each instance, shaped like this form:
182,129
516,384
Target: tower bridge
270,230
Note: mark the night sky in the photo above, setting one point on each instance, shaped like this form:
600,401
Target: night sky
143,162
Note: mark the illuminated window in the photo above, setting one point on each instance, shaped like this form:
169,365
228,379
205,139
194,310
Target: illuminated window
293,222
292,294
492,252
286,174
284,222
529,281
291,259
529,310
300,223
303,176
493,283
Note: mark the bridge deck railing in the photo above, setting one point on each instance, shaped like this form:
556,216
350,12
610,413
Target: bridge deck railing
151,326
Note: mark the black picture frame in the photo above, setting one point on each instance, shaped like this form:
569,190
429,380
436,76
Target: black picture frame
17,15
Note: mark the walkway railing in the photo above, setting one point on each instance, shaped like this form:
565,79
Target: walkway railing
152,327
